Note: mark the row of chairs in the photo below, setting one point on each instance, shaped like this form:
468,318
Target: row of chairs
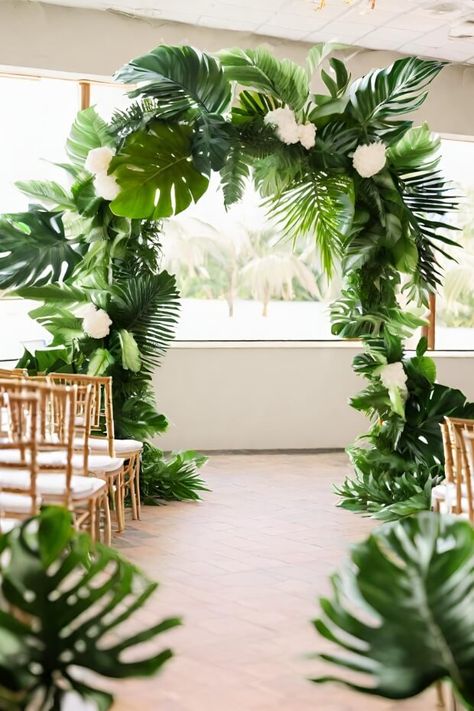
455,494
57,445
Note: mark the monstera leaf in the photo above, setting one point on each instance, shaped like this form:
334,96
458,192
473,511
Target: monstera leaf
34,250
402,609
63,600
156,174
259,69
181,78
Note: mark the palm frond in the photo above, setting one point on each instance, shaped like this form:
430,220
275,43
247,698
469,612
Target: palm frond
147,307
319,204
234,175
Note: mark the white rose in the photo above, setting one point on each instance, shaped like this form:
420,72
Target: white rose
98,160
106,186
393,375
284,121
97,323
370,159
307,135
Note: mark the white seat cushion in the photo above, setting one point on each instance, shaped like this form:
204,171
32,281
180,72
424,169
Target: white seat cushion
57,458
50,484
16,503
121,446
445,496
6,524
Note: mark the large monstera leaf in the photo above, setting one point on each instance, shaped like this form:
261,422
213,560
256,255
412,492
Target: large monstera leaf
156,174
181,78
34,250
402,610
62,602
257,68
384,94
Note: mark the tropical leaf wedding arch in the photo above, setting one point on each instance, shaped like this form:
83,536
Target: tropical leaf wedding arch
346,166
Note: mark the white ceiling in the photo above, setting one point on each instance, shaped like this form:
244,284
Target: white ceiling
435,28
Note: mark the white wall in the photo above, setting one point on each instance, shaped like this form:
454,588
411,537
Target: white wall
90,43
271,396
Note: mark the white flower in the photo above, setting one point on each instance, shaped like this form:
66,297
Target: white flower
72,701
370,159
286,126
106,186
96,323
288,129
85,311
393,375
307,135
98,160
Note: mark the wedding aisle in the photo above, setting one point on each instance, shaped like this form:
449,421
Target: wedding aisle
244,570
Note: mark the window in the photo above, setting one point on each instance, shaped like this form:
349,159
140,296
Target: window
35,120
455,301
240,280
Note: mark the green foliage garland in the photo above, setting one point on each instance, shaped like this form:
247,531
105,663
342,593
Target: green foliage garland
346,166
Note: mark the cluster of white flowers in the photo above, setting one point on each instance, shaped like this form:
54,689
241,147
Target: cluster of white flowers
370,159
289,130
97,163
96,322
393,375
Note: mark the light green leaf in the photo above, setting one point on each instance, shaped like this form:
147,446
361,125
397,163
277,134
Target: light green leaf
88,131
100,362
259,69
418,149
59,293
130,352
49,192
156,174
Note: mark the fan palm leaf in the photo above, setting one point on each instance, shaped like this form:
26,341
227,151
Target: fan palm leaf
319,205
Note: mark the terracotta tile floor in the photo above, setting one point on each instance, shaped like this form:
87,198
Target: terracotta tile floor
244,569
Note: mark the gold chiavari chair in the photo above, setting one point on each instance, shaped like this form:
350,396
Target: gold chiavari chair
102,439
455,495
63,475
17,503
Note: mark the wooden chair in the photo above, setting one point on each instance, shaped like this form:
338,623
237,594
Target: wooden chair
17,504
455,494
63,475
102,439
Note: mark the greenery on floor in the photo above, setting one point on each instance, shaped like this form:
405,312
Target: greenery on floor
399,610
51,579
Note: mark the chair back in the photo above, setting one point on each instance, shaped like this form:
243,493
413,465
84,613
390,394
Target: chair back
23,413
457,429
102,417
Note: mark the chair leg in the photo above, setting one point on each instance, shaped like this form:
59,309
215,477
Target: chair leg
132,485
136,479
93,520
440,695
107,520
